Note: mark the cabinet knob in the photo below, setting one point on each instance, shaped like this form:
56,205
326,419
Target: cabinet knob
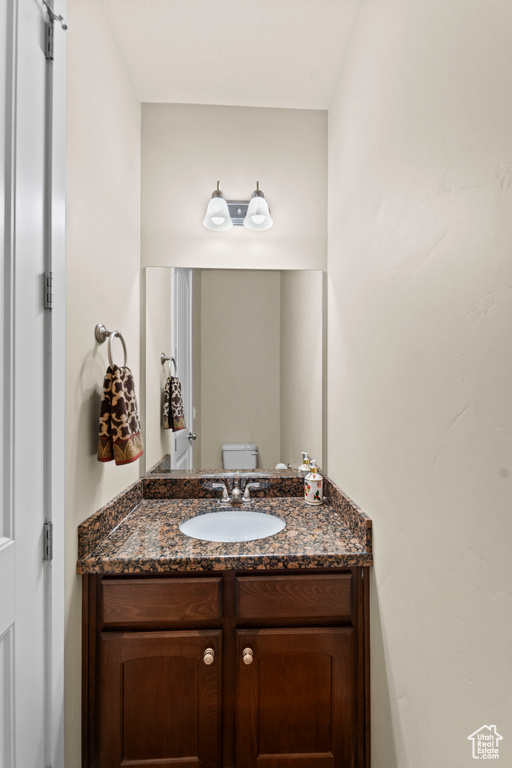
209,656
247,656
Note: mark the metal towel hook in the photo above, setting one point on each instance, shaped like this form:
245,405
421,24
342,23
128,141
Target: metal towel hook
53,16
168,359
101,335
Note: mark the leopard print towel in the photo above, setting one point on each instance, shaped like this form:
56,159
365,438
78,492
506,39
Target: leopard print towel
173,414
166,410
120,437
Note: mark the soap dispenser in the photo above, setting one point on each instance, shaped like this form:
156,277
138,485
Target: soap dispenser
313,486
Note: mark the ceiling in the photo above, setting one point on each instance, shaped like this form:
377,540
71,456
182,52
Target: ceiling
256,53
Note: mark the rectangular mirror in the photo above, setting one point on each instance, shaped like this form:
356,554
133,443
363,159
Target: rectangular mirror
249,351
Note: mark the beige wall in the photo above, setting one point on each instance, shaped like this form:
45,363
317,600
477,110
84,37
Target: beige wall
240,382
157,335
186,148
103,265
301,366
420,369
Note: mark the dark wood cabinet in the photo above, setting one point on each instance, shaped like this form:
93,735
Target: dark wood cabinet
295,698
240,670
160,703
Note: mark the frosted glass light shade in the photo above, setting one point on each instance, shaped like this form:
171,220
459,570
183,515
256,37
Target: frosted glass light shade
217,215
258,215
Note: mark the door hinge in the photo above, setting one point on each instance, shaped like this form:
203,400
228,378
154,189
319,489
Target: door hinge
50,30
49,40
48,541
48,290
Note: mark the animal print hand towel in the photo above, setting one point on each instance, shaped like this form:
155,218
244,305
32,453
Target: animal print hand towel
120,437
173,416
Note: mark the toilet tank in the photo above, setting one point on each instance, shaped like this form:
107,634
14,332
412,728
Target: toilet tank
240,455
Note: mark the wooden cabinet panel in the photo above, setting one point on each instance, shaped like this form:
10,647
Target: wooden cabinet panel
160,602
295,701
160,704
297,598
150,701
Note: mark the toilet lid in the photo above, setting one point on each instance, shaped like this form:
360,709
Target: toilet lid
240,447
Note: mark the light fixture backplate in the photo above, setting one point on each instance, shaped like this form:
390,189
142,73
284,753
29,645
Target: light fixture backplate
237,211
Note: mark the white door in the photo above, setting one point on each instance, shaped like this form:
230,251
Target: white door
7,543
183,441
31,710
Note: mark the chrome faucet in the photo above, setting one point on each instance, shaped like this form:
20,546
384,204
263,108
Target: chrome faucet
236,499
236,493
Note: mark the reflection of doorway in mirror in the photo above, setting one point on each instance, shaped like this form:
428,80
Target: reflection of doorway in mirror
182,455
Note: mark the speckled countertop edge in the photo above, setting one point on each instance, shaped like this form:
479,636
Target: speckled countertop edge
100,524
102,537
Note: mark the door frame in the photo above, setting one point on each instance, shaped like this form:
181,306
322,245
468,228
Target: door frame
55,576
53,194
186,376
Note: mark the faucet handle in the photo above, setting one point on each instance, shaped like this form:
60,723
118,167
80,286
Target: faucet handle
221,487
248,486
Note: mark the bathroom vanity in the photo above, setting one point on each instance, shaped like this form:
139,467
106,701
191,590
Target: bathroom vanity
225,654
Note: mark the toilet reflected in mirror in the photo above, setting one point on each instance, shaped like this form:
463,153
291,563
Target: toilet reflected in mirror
239,456
250,355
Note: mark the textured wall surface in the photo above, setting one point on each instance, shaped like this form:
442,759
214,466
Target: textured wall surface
420,370
103,285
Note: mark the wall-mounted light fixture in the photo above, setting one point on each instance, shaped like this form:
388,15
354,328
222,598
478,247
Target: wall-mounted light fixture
217,214
253,214
258,215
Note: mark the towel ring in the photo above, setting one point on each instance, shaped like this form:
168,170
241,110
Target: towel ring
109,348
168,359
101,335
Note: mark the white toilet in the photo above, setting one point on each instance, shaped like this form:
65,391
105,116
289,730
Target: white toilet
240,455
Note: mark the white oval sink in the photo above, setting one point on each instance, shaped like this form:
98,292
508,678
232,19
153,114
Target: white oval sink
232,525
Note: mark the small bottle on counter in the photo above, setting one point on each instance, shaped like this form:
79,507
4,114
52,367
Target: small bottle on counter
305,467
313,486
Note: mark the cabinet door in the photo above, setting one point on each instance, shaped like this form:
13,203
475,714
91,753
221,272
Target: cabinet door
295,698
160,702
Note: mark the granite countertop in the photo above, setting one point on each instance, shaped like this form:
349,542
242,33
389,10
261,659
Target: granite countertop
138,532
